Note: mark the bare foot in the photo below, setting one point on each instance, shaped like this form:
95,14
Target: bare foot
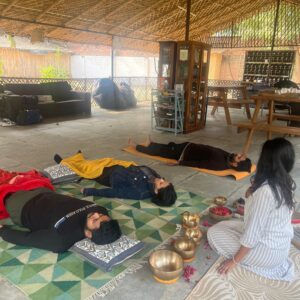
131,143
148,141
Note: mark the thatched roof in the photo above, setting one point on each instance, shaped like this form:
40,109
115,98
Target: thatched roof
134,23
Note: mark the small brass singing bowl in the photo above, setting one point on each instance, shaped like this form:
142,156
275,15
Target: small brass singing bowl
194,234
186,248
166,266
220,200
190,220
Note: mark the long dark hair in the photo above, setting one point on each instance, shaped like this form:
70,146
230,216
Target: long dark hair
274,165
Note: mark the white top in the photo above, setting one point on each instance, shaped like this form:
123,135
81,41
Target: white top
264,223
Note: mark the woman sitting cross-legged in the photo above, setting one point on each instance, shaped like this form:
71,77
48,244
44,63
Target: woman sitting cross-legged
262,242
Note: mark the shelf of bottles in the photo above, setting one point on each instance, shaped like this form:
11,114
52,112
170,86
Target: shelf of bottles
166,66
263,66
167,110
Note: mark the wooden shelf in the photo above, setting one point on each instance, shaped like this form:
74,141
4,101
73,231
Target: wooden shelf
281,64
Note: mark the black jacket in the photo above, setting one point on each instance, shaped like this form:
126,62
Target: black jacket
206,157
134,182
55,222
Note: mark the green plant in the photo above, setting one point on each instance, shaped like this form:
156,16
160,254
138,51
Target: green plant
53,72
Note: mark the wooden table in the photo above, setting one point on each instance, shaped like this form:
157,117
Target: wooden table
266,124
221,99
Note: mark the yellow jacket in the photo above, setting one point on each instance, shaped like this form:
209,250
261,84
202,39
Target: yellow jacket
91,169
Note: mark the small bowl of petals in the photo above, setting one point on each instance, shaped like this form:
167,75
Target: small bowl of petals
220,213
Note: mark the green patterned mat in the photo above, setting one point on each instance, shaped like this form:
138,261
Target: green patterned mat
45,275
186,201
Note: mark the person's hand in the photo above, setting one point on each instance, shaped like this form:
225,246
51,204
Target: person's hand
82,191
226,266
1,226
240,157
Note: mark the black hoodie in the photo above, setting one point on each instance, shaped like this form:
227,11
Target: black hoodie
55,222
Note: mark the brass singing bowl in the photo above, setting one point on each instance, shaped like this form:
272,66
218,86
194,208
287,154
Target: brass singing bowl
166,265
185,247
220,200
190,220
194,234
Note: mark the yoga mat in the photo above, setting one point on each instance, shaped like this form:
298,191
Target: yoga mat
230,172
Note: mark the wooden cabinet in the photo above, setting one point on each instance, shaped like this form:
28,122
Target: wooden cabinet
192,65
166,65
190,73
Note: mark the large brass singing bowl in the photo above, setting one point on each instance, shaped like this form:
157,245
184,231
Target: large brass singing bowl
166,265
185,247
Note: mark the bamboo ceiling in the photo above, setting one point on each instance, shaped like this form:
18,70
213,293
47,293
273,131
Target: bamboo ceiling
133,23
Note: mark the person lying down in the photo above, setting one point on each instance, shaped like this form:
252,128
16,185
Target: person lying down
123,180
196,155
55,222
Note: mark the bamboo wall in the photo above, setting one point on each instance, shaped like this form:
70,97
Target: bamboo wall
21,63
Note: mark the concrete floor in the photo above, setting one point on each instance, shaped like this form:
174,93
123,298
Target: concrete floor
104,134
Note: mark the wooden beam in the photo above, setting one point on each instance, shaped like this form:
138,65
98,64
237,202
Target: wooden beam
112,58
8,7
273,37
187,20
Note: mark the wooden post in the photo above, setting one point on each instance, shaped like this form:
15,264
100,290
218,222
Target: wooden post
273,37
112,59
187,20
231,38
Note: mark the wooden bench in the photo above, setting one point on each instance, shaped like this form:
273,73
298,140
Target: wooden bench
273,128
218,102
286,117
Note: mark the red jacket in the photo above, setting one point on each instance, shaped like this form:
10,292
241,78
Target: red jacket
11,182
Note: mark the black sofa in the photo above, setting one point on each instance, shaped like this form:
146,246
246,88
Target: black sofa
60,100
